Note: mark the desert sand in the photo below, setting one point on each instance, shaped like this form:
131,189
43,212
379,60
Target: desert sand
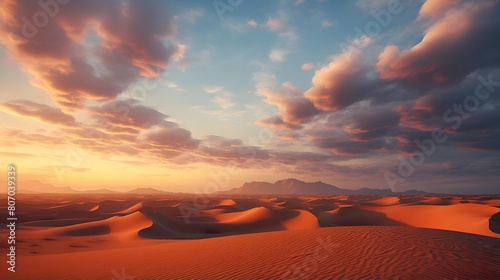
133,236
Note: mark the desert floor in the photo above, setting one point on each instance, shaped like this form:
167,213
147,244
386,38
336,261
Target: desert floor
125,236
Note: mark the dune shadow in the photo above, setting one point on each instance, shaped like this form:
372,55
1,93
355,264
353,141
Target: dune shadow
353,216
168,227
494,223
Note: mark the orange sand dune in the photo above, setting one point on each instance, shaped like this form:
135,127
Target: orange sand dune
168,237
122,227
213,224
386,201
470,218
248,216
322,253
434,201
131,209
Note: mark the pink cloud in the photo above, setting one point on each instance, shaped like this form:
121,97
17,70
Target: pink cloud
127,114
307,66
66,60
435,8
252,23
274,24
170,137
40,112
457,41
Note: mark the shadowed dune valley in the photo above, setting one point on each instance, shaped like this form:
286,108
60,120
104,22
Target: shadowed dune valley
250,139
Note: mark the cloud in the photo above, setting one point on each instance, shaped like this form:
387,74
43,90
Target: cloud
285,43
264,79
39,112
298,2
174,86
224,100
445,108
238,26
456,43
127,114
294,108
91,49
436,9
363,111
19,137
224,114
341,143
274,24
277,55
363,123
252,23
343,82
372,4
276,121
212,89
18,155
194,14
307,66
170,137
325,23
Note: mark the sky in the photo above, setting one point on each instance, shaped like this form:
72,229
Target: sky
202,96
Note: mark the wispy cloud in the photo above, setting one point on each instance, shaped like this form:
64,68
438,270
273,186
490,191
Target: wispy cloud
274,24
224,100
212,88
174,86
326,23
298,2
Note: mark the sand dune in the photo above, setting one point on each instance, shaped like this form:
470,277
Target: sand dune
470,218
120,226
131,209
322,253
262,237
303,220
434,201
249,216
386,201
226,216
356,216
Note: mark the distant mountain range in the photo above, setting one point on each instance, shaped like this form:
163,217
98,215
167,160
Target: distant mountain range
37,187
282,187
296,187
